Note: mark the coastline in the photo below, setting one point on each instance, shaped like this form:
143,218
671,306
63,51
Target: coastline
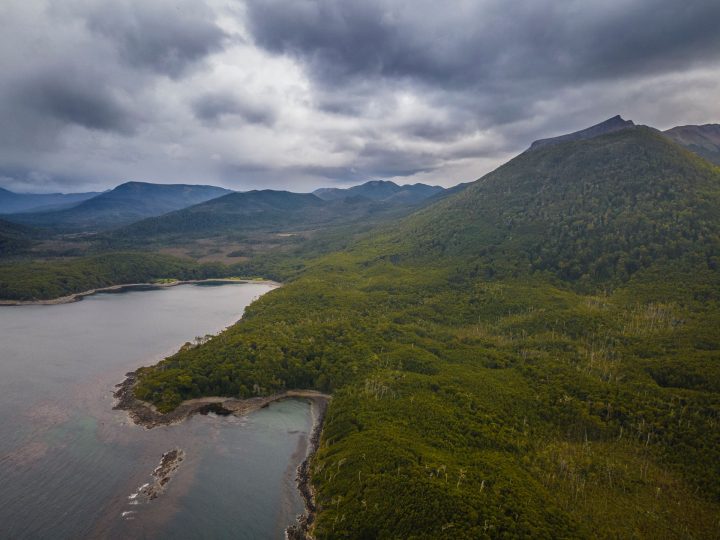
146,415
76,297
302,529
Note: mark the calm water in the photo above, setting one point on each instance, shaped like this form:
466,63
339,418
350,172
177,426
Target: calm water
69,463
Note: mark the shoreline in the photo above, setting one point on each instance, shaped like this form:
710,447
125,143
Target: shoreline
146,415
302,528
76,297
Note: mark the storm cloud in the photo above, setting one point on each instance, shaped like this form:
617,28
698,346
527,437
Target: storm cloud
296,94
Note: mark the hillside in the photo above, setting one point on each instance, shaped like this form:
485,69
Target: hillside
534,356
11,202
703,140
43,280
379,190
125,204
14,238
591,212
255,222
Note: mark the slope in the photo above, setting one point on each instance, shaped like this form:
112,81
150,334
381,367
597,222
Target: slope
534,356
703,140
255,221
616,123
14,238
126,203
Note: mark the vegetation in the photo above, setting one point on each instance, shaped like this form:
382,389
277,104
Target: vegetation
535,356
53,279
14,238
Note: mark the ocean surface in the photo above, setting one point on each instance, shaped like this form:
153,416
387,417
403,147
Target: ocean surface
70,466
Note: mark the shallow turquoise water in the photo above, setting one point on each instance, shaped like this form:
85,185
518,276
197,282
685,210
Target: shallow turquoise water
68,463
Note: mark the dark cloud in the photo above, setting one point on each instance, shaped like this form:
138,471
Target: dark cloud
211,108
72,100
94,92
164,36
484,45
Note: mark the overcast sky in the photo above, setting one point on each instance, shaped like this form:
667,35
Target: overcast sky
298,94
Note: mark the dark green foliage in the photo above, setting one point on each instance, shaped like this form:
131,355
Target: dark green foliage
533,357
52,279
14,238
258,213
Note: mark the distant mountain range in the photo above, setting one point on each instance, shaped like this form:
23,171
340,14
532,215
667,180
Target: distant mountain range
381,190
11,202
703,140
143,210
279,211
125,204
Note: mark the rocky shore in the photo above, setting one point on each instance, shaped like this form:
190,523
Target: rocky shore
169,464
146,415
302,529
128,286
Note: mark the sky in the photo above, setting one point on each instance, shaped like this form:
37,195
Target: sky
301,94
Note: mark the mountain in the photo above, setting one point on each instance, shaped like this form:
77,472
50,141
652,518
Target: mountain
703,140
616,123
261,218
381,190
11,202
233,212
534,356
125,204
589,210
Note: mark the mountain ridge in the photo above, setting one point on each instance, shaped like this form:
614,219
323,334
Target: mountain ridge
616,123
123,204
382,191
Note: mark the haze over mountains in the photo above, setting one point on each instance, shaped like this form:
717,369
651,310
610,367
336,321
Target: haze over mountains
126,203
379,190
703,140
11,202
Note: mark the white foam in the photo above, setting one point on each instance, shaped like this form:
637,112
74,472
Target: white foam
128,513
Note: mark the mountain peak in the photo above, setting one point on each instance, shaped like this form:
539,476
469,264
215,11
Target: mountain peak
616,123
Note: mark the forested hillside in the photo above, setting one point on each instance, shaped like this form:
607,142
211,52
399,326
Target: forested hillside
257,217
44,280
13,238
535,356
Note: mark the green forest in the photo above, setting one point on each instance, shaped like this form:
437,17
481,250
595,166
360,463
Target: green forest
42,280
537,355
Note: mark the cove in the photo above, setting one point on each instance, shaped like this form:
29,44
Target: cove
70,465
